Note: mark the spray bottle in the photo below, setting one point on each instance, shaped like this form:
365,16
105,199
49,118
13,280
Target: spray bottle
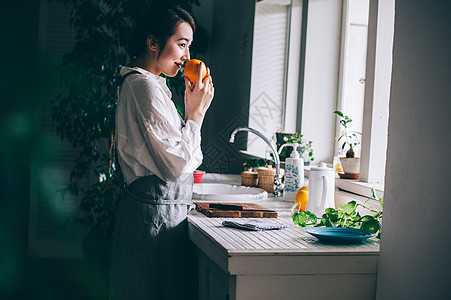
294,173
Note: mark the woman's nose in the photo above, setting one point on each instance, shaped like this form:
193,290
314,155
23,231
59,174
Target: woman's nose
186,55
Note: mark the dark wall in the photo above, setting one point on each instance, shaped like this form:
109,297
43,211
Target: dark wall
18,101
230,63
415,257
22,99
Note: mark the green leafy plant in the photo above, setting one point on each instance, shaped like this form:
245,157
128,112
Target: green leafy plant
255,163
85,114
345,216
306,150
347,137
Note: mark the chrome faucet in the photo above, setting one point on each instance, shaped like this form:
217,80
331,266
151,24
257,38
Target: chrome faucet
278,187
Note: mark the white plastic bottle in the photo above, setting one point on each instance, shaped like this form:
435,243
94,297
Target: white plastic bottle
294,173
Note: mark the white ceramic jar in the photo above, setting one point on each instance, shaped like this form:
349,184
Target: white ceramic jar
321,189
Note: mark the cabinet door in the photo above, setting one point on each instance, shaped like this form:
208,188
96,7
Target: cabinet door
212,282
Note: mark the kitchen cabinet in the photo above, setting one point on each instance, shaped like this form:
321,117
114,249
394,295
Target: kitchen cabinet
236,264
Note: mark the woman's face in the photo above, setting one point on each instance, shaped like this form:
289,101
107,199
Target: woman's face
176,50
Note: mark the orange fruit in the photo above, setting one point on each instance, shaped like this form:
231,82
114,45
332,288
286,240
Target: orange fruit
191,70
301,198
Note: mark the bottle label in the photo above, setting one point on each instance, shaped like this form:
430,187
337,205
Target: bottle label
292,178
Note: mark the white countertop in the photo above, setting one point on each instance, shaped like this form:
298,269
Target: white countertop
283,264
293,239
230,247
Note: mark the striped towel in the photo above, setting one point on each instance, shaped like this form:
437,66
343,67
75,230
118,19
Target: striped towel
254,224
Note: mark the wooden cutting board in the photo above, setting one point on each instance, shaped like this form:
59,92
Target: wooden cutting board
234,210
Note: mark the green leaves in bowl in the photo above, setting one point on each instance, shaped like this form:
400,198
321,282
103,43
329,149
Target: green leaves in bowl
345,216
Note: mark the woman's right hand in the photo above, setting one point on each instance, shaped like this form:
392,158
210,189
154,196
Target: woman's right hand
198,96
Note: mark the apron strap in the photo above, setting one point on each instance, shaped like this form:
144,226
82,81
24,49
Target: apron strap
123,77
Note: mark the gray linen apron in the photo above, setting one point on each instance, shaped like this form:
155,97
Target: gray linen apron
149,247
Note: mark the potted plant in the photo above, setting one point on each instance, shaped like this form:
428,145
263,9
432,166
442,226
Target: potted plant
306,149
254,164
85,114
348,140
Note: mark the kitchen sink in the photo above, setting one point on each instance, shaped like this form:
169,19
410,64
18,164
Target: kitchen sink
227,192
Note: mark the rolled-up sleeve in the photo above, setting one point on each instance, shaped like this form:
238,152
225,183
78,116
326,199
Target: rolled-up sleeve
175,149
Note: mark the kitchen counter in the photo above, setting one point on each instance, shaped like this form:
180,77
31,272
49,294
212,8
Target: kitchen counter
278,264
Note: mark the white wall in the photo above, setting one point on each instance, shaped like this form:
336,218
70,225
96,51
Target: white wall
415,260
321,76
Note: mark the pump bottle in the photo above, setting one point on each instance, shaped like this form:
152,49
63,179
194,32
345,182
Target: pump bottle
294,173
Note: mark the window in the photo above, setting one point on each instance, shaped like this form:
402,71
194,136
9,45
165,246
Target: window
344,62
377,90
353,64
368,106
275,70
51,234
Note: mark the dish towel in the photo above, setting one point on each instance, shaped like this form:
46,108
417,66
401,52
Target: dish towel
253,224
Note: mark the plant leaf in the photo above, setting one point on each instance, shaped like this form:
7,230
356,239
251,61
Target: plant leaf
339,113
371,225
373,193
304,218
349,207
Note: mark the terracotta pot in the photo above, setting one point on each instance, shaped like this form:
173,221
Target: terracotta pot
350,165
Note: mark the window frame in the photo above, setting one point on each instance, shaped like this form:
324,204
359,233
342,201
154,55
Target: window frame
376,99
377,90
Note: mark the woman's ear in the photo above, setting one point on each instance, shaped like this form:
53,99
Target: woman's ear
152,43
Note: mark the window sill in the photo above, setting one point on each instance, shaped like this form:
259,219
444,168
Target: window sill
359,187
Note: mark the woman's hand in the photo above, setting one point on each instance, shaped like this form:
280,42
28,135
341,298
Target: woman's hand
198,96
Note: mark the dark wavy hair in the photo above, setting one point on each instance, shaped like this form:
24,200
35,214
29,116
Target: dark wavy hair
161,21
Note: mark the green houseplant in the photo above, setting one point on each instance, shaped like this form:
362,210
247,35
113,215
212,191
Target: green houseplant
85,114
348,140
306,148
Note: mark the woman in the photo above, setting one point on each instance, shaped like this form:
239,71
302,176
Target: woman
158,152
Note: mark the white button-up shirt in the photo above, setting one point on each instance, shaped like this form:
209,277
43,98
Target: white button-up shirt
152,138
